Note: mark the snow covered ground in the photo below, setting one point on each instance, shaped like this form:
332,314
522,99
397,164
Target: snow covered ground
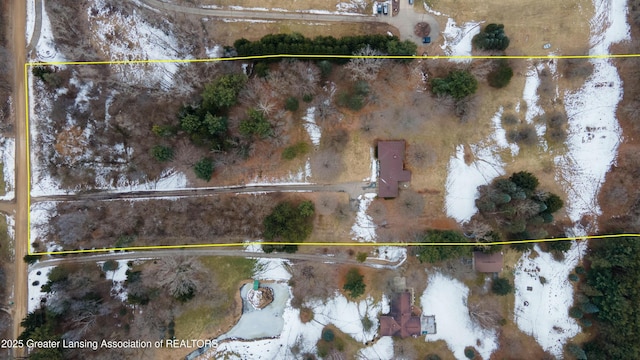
8,156
312,128
41,213
302,176
463,180
118,277
364,230
36,279
131,37
457,40
446,298
543,311
594,132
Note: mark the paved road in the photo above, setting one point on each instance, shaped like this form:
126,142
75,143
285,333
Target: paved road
354,190
153,254
18,18
404,21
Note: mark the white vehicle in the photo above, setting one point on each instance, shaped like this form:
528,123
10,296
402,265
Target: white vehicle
385,9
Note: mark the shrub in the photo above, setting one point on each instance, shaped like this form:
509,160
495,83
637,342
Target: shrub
526,181
354,283
291,152
31,259
576,351
291,104
576,313
307,98
356,98
469,353
501,76
553,203
162,153
367,324
589,308
586,322
501,286
510,119
523,135
110,265
261,69
328,335
458,84
573,277
491,38
361,257
543,280
204,169
580,270
163,130
559,246
256,123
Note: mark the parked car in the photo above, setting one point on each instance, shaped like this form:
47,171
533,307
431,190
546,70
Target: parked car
426,40
385,9
410,2
379,8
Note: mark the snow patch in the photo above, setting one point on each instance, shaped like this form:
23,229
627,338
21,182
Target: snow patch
31,20
594,132
382,350
461,188
312,128
36,279
364,230
457,40
530,95
41,213
117,277
446,298
543,311
374,167
8,155
500,135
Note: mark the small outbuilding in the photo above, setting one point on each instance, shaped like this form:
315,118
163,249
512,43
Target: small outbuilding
392,172
487,262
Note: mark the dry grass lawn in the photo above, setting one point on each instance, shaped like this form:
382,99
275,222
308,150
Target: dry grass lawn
529,23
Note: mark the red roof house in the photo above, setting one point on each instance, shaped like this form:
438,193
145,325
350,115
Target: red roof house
400,322
391,159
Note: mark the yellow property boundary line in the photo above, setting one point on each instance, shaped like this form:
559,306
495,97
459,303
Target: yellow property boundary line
284,56
199,246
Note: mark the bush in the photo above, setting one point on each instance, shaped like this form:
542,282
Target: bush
573,277
501,286
354,283
576,313
367,324
291,152
163,130
261,69
576,351
204,169
469,353
492,38
162,153
526,181
580,270
510,119
559,246
432,253
307,98
553,203
288,223
328,335
31,259
501,76
356,98
256,123
361,257
458,84
110,265
523,135
291,104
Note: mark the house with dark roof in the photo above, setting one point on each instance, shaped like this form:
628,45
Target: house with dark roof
400,321
487,263
391,164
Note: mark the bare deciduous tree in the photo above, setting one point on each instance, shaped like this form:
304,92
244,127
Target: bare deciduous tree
181,276
365,67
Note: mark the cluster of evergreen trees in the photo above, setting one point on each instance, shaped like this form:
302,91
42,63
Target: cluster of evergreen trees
297,44
612,288
288,223
516,209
